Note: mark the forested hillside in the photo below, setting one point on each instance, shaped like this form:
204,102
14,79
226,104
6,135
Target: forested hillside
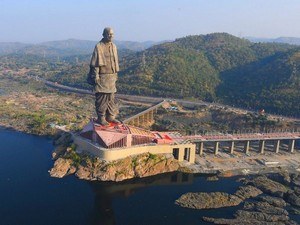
169,70
214,67
218,67
272,83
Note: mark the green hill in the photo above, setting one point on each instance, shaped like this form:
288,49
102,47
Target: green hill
272,83
168,70
225,51
217,66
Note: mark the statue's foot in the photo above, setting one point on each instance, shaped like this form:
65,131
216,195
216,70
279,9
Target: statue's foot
102,121
113,120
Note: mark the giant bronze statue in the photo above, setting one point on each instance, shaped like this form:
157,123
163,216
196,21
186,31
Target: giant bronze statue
104,66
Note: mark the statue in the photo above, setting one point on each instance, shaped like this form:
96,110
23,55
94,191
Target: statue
104,66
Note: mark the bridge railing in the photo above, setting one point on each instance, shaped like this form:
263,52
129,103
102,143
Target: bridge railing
153,108
248,131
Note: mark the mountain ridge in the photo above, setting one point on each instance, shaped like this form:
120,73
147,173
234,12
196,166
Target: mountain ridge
286,40
205,66
67,47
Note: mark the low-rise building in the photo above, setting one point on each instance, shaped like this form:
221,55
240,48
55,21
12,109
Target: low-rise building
118,141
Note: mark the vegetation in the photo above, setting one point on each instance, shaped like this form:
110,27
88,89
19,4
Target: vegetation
28,105
33,108
218,67
272,84
76,158
214,67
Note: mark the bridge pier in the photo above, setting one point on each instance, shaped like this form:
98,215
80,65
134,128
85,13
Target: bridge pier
190,154
262,146
216,148
247,147
276,146
187,153
180,155
143,119
151,116
201,148
147,118
232,147
136,122
291,145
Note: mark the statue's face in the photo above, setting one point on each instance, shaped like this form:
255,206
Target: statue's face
108,35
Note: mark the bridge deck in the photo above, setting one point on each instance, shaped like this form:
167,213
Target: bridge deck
155,107
243,137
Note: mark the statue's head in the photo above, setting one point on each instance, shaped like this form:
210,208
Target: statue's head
108,34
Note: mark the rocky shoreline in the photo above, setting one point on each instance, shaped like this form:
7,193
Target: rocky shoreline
264,199
68,161
261,199
143,165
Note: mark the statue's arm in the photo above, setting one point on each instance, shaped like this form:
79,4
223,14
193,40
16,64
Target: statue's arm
93,76
94,69
94,72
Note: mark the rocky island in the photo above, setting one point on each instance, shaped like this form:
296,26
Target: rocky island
92,168
263,200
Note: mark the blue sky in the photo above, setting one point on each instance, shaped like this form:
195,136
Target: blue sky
35,21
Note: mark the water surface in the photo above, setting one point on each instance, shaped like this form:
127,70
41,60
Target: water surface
29,196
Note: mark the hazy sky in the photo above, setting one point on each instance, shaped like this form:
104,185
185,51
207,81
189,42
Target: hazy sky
34,21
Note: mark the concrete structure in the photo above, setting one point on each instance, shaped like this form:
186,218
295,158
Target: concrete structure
232,147
291,145
119,141
247,146
276,138
276,146
262,146
216,148
146,117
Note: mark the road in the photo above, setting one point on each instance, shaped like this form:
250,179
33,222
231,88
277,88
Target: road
147,99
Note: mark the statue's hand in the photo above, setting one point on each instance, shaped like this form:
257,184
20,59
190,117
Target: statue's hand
92,75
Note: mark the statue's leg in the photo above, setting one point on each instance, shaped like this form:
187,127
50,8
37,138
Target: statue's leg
112,109
101,105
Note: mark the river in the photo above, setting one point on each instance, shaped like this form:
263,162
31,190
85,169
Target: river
30,196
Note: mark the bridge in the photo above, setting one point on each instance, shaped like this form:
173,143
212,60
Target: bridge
146,117
275,138
204,142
